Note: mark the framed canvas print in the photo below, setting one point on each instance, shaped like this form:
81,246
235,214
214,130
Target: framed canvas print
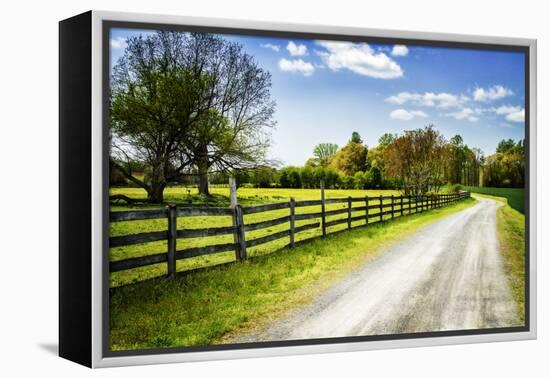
237,189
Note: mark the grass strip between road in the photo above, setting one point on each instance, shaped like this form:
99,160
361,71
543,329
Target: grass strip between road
511,235
210,306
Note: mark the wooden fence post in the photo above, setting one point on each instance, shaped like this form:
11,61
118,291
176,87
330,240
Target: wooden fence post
409,204
381,208
172,237
392,207
366,209
235,219
401,206
349,213
323,221
292,221
240,249
233,191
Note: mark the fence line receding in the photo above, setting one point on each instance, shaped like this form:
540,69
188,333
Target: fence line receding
371,210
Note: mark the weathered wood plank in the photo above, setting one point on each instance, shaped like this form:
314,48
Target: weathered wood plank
130,215
307,203
336,212
308,216
281,234
203,211
357,218
267,223
336,200
336,222
241,235
268,207
207,250
292,221
145,237
136,262
172,240
205,232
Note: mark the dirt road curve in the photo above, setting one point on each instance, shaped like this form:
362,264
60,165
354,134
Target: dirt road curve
448,276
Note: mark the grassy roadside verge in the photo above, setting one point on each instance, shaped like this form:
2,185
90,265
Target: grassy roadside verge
515,197
203,307
511,234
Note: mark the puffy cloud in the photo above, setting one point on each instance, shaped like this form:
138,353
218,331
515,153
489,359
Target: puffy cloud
507,109
359,58
400,50
518,116
118,43
512,113
297,65
490,94
406,115
296,50
275,48
465,113
440,100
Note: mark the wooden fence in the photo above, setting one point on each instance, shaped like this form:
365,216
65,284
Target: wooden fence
374,210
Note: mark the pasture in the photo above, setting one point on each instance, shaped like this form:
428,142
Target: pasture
220,197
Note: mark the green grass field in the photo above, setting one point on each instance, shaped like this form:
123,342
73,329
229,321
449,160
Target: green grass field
208,306
220,197
511,234
515,196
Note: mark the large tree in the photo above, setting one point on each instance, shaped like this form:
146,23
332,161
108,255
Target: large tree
417,160
188,102
234,132
154,103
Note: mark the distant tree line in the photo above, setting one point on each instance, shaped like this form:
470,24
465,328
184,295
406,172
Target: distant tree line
416,162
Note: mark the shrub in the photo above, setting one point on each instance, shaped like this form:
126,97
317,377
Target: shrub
456,188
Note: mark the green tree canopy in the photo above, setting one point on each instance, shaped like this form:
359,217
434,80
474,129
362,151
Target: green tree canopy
324,153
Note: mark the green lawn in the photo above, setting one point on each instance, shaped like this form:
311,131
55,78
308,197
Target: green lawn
208,306
515,196
246,197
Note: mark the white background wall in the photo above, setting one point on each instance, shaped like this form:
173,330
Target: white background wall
28,182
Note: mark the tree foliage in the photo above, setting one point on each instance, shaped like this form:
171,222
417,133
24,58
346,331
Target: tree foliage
352,157
188,101
417,160
324,153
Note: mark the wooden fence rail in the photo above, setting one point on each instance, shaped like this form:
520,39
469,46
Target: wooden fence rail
398,206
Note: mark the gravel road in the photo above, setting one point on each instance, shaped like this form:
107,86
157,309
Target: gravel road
447,276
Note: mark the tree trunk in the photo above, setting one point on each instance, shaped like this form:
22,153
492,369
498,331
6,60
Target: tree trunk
203,180
202,166
156,193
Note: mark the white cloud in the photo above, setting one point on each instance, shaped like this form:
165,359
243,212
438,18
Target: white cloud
490,94
118,43
518,116
297,65
440,100
406,115
360,59
296,50
400,50
465,113
507,109
275,48
512,113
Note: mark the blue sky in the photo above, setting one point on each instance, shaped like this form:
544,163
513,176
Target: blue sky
325,90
